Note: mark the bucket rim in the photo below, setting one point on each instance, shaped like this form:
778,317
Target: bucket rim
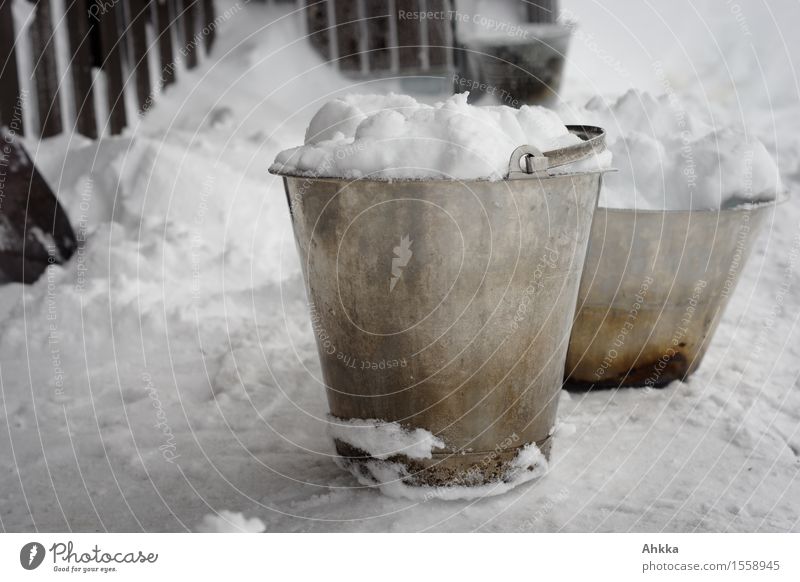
782,198
377,179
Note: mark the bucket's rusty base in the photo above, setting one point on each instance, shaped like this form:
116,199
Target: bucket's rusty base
446,469
658,374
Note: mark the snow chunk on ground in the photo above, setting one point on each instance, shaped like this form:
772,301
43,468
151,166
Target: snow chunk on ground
669,159
396,137
382,439
230,522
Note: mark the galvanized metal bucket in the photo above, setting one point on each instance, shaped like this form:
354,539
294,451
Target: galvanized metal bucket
525,69
653,290
446,306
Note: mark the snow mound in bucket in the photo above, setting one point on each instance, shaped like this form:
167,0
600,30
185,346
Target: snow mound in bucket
396,137
669,159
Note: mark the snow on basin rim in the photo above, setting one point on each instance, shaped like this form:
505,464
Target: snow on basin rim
734,206
670,158
394,137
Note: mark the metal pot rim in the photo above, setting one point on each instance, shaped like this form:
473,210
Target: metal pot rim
540,32
746,207
432,180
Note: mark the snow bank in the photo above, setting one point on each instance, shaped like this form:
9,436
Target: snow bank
669,159
230,522
382,439
388,477
395,137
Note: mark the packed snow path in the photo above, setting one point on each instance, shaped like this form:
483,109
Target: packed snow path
169,370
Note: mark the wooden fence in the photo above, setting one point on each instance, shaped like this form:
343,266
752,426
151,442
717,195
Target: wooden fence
90,66
367,38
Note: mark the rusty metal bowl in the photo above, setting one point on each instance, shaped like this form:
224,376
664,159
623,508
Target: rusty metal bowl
654,287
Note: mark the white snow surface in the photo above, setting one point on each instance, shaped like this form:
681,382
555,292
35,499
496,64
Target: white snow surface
230,522
396,137
169,370
382,439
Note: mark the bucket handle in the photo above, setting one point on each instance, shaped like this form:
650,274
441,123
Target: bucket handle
537,162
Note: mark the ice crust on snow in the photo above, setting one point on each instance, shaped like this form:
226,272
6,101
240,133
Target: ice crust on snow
230,522
396,137
669,159
382,439
388,477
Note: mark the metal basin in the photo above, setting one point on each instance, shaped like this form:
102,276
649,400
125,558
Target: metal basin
446,306
653,290
517,71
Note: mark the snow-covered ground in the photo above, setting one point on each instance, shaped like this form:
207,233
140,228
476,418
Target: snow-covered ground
169,371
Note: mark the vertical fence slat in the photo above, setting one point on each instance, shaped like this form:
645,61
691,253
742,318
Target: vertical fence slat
378,36
10,95
189,21
81,67
163,27
209,15
96,36
347,35
542,11
319,34
139,12
46,71
439,45
111,58
408,36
